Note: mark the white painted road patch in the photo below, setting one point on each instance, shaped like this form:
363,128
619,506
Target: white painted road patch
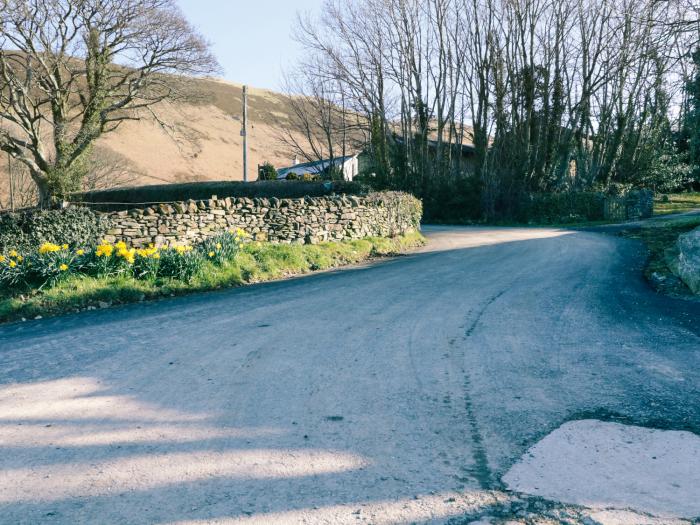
604,465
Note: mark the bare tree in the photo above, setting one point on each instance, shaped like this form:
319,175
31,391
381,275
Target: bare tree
72,70
321,126
108,169
555,95
17,190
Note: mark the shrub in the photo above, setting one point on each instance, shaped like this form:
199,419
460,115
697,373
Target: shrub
180,262
454,199
561,207
78,227
291,176
114,199
267,172
400,205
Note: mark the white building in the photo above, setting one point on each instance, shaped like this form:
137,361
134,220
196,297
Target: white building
349,166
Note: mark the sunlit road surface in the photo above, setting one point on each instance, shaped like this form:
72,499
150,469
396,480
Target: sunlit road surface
396,392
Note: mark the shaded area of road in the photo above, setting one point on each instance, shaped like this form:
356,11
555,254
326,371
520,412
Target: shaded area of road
394,392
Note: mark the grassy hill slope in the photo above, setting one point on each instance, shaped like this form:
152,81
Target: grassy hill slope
194,141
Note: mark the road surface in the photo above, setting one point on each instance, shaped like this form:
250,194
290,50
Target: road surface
394,392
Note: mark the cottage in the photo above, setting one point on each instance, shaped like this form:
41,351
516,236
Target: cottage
347,165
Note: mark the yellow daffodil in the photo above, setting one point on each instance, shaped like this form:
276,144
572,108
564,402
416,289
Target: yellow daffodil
13,264
64,247
211,254
80,252
20,258
151,251
125,253
104,250
218,245
2,258
48,247
63,267
13,253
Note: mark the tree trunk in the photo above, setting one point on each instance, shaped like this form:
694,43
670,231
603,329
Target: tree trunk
43,190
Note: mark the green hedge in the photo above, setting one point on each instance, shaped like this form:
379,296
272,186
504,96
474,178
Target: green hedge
562,207
26,230
403,206
204,190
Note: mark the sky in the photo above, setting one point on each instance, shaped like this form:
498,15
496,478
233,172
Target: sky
250,38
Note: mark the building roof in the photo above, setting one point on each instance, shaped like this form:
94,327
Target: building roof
314,167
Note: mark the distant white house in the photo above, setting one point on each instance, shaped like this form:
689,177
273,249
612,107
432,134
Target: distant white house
349,166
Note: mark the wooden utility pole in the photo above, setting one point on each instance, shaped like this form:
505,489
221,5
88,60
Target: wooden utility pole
244,133
12,184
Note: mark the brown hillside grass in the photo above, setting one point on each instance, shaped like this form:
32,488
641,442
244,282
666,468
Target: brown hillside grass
196,141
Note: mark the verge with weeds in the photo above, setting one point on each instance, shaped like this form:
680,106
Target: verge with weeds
250,263
660,238
676,203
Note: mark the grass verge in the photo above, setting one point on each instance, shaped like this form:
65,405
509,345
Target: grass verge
255,263
676,203
660,238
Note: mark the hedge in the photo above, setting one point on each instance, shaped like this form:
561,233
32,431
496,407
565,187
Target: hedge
561,207
121,198
28,229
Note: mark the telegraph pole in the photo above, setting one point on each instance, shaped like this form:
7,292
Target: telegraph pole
12,184
244,133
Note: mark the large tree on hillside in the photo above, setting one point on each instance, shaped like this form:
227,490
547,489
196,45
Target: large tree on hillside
72,70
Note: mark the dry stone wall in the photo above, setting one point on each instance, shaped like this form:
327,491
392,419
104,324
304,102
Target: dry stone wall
306,220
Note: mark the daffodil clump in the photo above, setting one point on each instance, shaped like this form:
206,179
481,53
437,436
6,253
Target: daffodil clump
52,262
48,265
224,246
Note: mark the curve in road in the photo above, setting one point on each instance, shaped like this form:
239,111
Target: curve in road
400,391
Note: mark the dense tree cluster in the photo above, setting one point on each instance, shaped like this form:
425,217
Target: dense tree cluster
554,95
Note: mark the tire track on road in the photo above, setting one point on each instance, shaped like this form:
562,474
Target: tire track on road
481,470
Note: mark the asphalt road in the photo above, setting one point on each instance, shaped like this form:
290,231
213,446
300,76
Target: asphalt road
395,392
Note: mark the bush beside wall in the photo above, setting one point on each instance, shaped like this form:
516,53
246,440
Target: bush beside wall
562,207
26,230
585,206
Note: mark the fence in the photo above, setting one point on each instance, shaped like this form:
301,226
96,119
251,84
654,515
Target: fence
637,204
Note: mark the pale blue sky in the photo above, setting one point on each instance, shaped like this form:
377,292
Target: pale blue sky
251,38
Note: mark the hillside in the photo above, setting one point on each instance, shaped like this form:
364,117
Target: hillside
198,141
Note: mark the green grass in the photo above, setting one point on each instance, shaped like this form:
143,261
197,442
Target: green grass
676,203
255,263
660,238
